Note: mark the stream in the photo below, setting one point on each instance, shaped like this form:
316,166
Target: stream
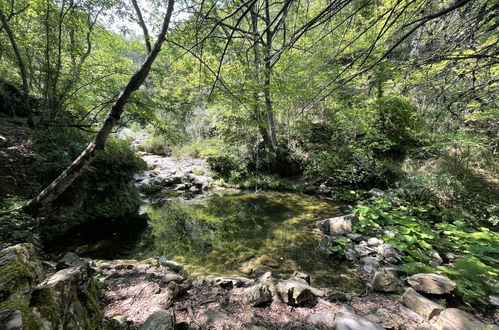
222,232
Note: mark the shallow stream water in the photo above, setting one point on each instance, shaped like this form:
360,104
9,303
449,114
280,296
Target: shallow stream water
230,234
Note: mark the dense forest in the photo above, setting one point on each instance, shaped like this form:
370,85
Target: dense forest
201,164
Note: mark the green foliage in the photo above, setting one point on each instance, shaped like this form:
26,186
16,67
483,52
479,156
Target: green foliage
339,246
155,145
419,229
358,144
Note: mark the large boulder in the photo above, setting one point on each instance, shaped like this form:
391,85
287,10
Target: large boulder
161,320
74,297
20,270
338,225
294,291
456,319
431,283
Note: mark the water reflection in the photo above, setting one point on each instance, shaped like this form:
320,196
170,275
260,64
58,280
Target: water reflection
240,234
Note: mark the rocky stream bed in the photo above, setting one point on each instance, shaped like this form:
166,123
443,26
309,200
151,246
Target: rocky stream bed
263,283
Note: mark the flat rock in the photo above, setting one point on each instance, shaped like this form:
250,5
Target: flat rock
350,321
431,283
160,320
385,319
294,291
421,305
456,319
338,225
70,259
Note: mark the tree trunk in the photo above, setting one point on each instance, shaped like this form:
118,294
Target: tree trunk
267,78
66,178
20,63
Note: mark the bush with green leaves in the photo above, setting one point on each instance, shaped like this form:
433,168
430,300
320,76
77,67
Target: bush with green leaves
155,144
360,144
416,230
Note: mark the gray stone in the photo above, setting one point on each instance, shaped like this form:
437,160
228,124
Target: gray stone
170,264
349,321
435,256
71,288
387,253
384,281
350,253
294,291
228,282
370,261
362,249
420,304
21,270
70,259
338,225
257,294
172,277
12,321
375,192
302,275
373,241
494,300
431,283
355,237
456,319
161,320
385,319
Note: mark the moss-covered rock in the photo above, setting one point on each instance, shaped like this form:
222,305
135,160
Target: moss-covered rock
76,299
19,272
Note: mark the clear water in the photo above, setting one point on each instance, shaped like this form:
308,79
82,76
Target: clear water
236,235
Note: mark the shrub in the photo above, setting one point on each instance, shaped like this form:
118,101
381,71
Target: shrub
155,144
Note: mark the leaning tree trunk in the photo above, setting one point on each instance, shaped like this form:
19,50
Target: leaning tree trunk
70,174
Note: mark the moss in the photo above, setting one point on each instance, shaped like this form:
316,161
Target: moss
29,320
17,271
44,300
91,304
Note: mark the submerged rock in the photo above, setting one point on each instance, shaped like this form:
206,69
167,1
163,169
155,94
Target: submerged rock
431,283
